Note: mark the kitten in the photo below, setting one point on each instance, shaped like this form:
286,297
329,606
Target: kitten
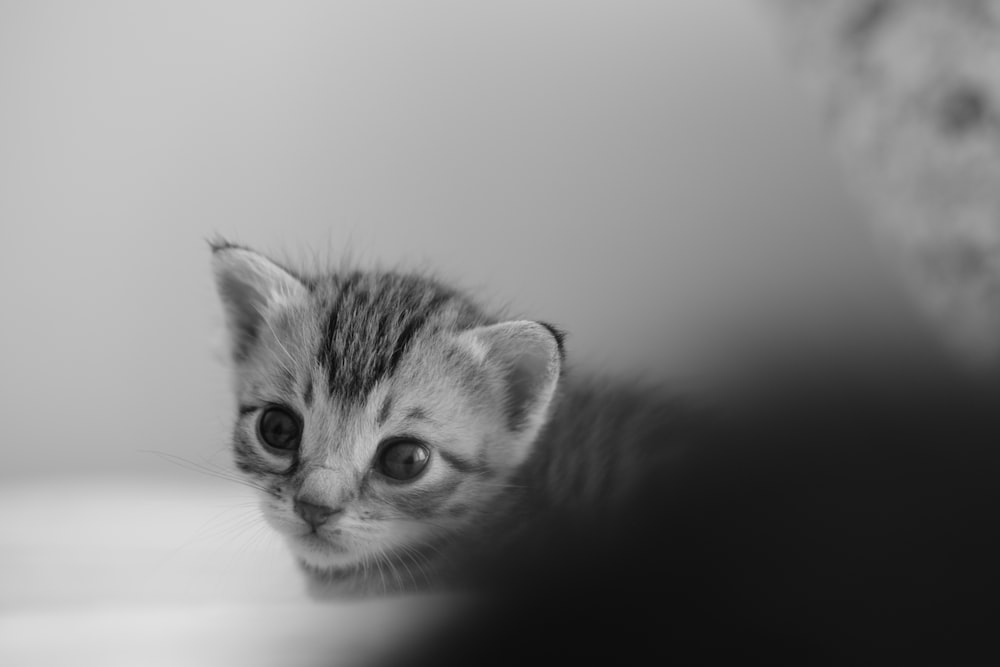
399,434
839,511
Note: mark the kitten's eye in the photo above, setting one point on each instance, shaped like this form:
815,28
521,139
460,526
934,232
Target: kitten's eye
279,429
402,460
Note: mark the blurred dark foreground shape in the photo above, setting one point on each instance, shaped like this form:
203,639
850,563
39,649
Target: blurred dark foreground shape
842,520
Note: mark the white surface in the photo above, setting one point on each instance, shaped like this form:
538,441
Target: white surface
97,571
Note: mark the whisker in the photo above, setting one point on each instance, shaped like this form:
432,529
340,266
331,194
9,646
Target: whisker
218,473
416,557
369,566
238,526
447,557
400,560
256,535
397,576
381,572
208,528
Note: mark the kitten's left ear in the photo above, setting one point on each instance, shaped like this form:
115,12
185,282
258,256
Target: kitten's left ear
527,358
251,286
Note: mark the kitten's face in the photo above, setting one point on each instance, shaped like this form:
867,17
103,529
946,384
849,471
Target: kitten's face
407,465
380,415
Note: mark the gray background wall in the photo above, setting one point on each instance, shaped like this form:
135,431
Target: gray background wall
632,171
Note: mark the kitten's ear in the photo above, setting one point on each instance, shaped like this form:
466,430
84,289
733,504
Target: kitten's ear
528,358
250,286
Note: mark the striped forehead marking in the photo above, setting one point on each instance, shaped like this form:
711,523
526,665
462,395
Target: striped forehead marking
371,323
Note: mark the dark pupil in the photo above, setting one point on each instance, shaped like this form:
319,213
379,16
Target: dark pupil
404,460
279,429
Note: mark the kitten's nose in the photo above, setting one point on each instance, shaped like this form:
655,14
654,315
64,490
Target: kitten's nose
313,514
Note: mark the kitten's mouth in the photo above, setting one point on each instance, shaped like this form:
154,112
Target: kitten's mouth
315,541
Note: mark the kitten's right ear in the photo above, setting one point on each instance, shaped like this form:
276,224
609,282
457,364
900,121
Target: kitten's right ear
526,357
250,286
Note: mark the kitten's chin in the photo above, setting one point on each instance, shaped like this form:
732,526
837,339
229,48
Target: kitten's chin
318,553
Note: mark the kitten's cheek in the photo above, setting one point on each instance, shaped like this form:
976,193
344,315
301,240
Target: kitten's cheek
274,519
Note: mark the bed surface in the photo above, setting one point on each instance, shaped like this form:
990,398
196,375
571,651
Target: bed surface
113,571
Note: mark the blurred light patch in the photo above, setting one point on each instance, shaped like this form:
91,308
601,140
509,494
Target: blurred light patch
108,571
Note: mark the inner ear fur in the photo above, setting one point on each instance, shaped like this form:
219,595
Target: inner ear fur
250,287
527,356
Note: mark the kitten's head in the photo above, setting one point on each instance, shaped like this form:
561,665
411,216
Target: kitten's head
379,413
